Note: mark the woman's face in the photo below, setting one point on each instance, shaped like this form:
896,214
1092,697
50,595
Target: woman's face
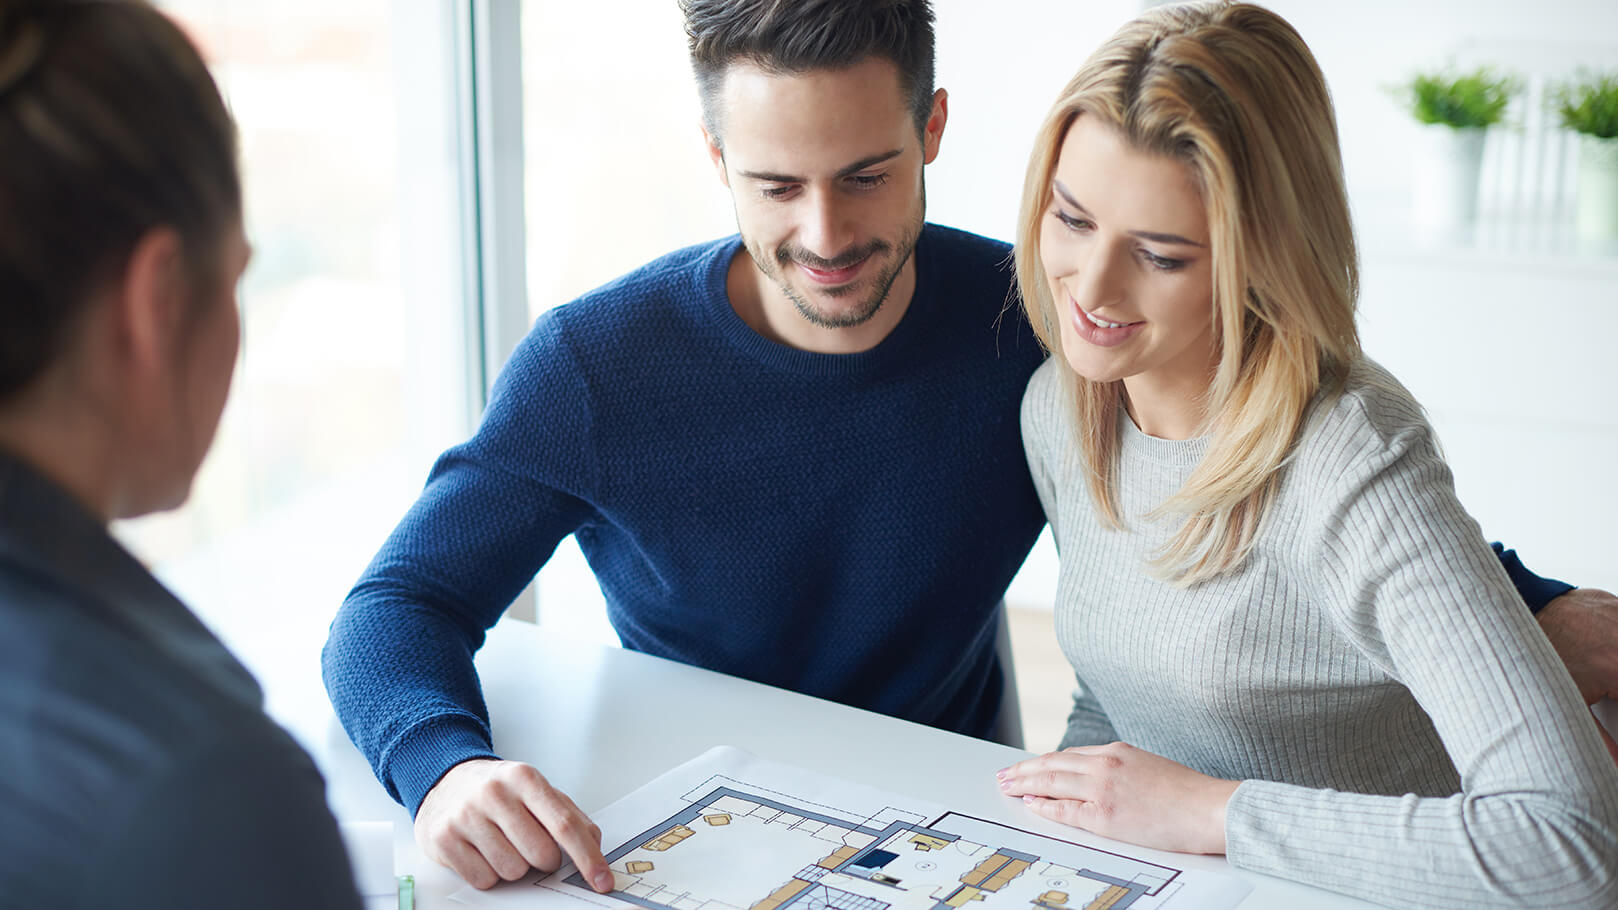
1124,244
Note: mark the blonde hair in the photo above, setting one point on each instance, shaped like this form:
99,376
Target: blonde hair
1230,91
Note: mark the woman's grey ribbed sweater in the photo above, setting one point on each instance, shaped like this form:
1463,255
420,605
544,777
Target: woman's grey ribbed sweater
1403,730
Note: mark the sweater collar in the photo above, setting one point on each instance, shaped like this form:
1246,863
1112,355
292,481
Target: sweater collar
1180,454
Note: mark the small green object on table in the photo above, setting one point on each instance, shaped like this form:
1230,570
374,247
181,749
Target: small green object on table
407,892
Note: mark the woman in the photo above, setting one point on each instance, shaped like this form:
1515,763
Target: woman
140,769
1269,590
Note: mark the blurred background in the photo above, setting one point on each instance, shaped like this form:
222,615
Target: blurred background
425,177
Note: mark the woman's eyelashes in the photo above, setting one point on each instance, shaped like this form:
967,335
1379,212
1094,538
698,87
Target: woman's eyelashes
1161,263
1080,225
1072,222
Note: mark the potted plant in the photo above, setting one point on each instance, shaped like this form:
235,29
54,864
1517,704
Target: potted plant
1455,110
1589,106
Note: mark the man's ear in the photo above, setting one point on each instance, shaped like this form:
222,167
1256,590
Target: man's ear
933,133
148,303
715,154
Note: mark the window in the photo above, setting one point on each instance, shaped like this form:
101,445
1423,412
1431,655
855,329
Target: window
616,175
355,369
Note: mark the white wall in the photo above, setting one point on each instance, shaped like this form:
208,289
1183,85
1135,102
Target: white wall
1003,64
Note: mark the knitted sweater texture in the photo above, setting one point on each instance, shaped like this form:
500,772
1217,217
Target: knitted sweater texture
840,525
1401,727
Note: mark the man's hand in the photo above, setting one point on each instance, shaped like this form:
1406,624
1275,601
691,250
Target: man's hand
1125,793
1583,628
490,820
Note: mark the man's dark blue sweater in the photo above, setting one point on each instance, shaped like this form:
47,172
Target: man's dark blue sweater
840,525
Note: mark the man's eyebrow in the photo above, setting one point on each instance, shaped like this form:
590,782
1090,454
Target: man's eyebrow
871,161
1060,190
854,168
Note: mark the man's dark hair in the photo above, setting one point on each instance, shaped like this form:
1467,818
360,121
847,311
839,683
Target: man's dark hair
789,37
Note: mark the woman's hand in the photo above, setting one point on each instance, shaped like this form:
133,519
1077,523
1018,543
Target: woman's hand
1125,793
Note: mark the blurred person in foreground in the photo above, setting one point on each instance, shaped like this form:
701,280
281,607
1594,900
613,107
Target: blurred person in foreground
140,768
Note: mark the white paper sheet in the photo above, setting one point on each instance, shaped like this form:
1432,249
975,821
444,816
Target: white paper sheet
728,831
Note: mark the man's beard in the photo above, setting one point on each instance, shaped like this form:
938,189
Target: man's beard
879,286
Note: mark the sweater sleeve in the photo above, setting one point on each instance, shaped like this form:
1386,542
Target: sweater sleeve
1087,723
1411,582
1536,590
1040,432
398,663
1045,441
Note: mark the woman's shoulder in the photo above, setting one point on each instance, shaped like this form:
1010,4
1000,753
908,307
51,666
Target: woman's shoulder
1045,409
99,719
1365,426
1366,411
1045,393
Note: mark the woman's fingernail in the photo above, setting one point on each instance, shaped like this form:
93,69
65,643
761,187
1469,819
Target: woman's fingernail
1001,774
1005,785
1027,798
604,881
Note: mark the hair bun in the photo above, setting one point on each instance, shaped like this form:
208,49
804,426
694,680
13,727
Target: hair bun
22,43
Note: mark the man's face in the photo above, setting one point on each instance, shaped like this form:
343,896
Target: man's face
825,169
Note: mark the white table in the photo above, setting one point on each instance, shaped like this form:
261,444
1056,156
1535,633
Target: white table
600,722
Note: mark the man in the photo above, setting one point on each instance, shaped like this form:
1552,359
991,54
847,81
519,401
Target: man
791,455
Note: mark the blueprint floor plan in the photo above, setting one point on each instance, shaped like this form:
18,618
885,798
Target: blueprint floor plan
778,854
738,833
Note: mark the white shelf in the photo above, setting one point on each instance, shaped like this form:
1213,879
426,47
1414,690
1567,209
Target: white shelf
1497,240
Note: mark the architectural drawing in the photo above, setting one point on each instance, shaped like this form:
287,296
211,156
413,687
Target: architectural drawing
735,846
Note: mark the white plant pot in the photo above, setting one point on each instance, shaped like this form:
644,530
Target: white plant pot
1447,163
1597,210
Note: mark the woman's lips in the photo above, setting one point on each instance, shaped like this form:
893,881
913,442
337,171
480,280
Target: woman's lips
1101,336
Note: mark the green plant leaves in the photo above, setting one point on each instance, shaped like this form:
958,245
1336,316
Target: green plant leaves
1590,104
1473,99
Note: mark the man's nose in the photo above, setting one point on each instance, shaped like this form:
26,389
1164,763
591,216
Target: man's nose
827,230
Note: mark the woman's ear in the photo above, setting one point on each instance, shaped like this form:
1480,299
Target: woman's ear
148,304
